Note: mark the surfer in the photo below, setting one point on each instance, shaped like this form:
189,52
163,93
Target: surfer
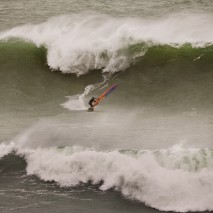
92,102
95,101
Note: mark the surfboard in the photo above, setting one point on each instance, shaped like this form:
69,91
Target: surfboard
102,96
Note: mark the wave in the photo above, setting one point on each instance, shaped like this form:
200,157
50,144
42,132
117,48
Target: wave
159,178
167,62
82,42
177,79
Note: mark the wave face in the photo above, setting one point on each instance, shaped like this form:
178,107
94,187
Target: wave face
167,78
83,42
158,178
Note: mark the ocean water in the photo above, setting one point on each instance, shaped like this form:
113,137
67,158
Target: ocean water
147,147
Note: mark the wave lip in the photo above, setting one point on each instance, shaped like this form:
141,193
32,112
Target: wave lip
82,42
5,149
146,176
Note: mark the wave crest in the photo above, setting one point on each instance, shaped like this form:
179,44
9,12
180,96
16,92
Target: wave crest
158,178
82,42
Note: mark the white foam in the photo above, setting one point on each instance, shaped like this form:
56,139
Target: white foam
159,179
6,148
139,176
82,42
76,102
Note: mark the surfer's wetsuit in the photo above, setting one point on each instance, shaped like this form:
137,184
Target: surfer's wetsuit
92,101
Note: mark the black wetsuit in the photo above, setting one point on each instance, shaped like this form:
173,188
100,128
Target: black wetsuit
91,101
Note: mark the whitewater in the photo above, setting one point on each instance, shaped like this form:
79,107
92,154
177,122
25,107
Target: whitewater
143,175
83,42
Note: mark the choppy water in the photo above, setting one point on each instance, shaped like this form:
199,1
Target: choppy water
144,144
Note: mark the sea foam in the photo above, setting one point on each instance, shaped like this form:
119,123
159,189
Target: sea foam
159,178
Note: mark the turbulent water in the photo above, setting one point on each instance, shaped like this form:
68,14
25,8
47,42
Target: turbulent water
148,144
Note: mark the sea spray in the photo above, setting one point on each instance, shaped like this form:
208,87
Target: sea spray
6,148
77,102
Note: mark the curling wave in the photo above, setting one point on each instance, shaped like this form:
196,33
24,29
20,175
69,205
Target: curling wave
158,178
82,42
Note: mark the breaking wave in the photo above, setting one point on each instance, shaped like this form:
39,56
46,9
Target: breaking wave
175,179
82,42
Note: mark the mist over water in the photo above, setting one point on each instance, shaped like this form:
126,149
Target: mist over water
147,141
